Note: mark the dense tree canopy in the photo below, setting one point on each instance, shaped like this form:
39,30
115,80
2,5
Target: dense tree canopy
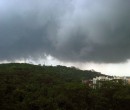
32,87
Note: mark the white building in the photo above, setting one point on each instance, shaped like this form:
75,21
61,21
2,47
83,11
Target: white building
97,82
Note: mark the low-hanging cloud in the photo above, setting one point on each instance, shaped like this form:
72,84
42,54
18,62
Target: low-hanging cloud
69,30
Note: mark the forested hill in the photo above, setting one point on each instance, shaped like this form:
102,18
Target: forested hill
33,87
62,72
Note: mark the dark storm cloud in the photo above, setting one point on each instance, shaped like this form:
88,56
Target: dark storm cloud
69,30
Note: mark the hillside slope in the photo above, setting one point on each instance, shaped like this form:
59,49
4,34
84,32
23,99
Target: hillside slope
65,73
33,87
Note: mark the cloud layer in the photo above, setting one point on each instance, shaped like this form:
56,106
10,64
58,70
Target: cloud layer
69,30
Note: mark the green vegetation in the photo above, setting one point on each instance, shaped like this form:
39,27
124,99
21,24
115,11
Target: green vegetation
32,87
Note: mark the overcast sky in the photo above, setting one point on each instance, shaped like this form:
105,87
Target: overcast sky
90,34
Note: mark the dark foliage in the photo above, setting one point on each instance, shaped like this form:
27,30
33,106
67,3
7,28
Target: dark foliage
32,87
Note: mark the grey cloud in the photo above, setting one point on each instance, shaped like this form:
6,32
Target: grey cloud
69,30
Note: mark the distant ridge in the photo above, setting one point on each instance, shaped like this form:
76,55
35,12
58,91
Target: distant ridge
71,73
